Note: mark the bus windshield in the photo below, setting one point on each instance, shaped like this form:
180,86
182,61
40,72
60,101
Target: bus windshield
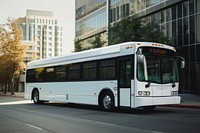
158,69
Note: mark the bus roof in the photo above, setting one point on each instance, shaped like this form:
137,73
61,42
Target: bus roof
94,54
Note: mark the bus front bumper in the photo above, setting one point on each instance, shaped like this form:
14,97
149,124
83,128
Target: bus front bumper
153,101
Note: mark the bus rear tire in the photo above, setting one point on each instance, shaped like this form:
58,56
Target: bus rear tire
107,101
35,96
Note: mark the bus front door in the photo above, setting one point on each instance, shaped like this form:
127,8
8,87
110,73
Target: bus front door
124,82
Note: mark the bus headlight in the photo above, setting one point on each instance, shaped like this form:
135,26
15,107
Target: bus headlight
144,93
174,93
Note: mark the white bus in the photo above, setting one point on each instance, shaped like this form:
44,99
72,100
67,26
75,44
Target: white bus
131,74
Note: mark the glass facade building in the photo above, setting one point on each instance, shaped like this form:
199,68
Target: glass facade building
178,19
91,19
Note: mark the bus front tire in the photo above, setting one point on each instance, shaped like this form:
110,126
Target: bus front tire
107,101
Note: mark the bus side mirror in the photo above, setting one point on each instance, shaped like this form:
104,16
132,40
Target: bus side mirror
182,64
140,58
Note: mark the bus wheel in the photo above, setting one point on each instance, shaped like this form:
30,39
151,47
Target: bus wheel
35,98
107,101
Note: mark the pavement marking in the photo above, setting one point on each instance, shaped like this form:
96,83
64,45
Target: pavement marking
34,127
16,102
105,123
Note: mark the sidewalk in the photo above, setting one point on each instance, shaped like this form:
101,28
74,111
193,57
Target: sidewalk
187,100
16,94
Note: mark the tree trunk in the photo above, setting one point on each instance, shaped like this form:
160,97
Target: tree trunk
12,86
5,88
12,89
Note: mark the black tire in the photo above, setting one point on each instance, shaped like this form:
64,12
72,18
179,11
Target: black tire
35,97
107,101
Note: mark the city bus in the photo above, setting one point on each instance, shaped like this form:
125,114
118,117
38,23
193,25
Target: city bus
131,75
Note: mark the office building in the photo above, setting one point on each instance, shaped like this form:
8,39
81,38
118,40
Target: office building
41,30
178,19
91,19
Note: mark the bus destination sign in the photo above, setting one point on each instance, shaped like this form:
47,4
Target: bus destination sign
158,51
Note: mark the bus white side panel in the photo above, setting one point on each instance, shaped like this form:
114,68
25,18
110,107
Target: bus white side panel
125,97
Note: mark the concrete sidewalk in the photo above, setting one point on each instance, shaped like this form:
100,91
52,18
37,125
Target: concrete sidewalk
16,94
187,100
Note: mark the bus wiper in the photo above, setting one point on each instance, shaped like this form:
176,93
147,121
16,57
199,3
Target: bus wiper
171,78
149,83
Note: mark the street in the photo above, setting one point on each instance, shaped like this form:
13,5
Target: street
18,115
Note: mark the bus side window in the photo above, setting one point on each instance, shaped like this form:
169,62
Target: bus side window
89,71
60,73
39,74
107,69
49,74
74,72
30,76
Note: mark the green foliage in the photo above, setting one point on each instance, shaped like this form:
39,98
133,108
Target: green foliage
97,42
135,29
77,45
152,33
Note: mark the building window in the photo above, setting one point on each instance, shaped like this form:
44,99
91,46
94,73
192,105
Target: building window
185,31
191,6
179,10
198,53
169,14
50,27
163,16
174,12
198,28
192,30
185,9
180,32
192,53
198,6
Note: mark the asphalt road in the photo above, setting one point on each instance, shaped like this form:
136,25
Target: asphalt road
25,117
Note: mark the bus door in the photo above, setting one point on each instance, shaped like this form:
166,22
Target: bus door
124,82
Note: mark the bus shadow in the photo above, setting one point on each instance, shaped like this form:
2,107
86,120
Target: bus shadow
137,111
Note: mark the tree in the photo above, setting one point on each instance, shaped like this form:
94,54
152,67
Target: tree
152,33
97,42
135,29
77,45
11,53
124,30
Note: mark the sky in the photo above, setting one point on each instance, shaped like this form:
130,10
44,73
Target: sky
63,10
